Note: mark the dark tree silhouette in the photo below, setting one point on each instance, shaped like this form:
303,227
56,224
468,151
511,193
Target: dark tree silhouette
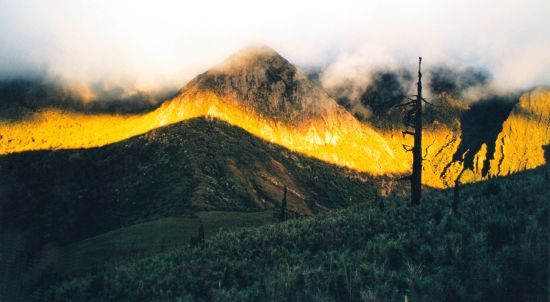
282,216
413,123
456,197
200,237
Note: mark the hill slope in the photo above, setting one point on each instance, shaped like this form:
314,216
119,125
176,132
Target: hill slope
495,249
183,168
110,171
49,199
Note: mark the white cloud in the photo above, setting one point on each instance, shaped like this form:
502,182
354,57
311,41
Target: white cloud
155,43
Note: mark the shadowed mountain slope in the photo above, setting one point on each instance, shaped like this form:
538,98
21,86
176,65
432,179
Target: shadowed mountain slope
62,196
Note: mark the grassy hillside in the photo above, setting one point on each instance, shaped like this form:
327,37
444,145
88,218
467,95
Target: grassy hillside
494,249
150,237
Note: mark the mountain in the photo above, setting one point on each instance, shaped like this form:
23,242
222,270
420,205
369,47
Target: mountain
231,140
259,91
52,199
191,166
311,122
519,146
501,136
262,80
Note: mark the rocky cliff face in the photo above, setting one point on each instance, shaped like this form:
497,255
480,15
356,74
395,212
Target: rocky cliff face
514,142
520,144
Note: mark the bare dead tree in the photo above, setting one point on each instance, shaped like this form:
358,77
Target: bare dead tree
413,127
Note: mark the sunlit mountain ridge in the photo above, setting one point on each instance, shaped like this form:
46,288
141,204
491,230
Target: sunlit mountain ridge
262,93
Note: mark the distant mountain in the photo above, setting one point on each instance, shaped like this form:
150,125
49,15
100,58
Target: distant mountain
261,92
19,98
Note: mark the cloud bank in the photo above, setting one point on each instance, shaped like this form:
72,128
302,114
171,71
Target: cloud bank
152,45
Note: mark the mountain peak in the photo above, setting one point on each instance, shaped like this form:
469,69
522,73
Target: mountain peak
255,50
251,57
260,78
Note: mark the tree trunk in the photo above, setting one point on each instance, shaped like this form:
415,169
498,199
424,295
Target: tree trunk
416,177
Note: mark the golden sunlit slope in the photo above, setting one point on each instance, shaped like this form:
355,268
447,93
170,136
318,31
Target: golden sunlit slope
520,144
343,142
260,92
55,129
340,140
347,143
257,90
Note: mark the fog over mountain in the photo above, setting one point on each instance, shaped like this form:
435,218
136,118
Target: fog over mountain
104,201
143,46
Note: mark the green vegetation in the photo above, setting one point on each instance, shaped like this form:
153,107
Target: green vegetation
497,250
150,237
50,199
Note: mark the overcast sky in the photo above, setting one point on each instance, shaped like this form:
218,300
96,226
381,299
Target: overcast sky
150,44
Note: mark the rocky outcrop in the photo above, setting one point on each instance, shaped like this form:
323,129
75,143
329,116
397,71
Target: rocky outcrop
517,146
520,145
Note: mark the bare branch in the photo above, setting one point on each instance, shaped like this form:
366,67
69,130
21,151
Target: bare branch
408,148
403,104
432,104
